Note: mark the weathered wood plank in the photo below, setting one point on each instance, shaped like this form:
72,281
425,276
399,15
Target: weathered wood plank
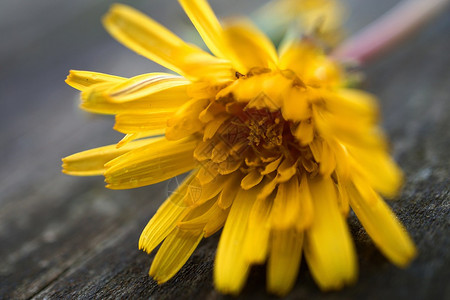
63,237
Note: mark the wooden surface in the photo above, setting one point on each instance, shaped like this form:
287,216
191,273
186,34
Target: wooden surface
69,237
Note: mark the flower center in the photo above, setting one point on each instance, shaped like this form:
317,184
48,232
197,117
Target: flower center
252,138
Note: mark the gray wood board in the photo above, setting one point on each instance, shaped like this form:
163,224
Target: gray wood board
68,237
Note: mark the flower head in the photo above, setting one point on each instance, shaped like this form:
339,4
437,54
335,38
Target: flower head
278,149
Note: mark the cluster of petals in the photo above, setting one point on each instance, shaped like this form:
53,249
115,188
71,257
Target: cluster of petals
279,151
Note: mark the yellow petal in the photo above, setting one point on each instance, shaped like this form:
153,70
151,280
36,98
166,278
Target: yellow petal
309,62
207,172
284,260
154,41
268,187
300,57
273,91
151,164
81,80
251,179
91,162
316,149
352,103
262,91
216,223
202,89
381,224
286,206
343,195
196,216
220,151
144,85
174,253
378,168
210,220
206,23
305,132
286,170
231,268
329,250
272,166
252,160
129,137
348,130
341,153
166,218
308,164
244,89
229,166
94,99
348,114
212,127
229,191
185,121
204,150
212,110
256,242
209,190
133,122
328,162
249,46
306,215
296,105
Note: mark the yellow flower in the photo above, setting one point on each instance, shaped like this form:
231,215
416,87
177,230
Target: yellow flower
278,148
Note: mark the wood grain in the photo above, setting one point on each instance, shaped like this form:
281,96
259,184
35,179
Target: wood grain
68,237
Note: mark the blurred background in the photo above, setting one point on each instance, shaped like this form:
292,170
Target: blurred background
69,237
